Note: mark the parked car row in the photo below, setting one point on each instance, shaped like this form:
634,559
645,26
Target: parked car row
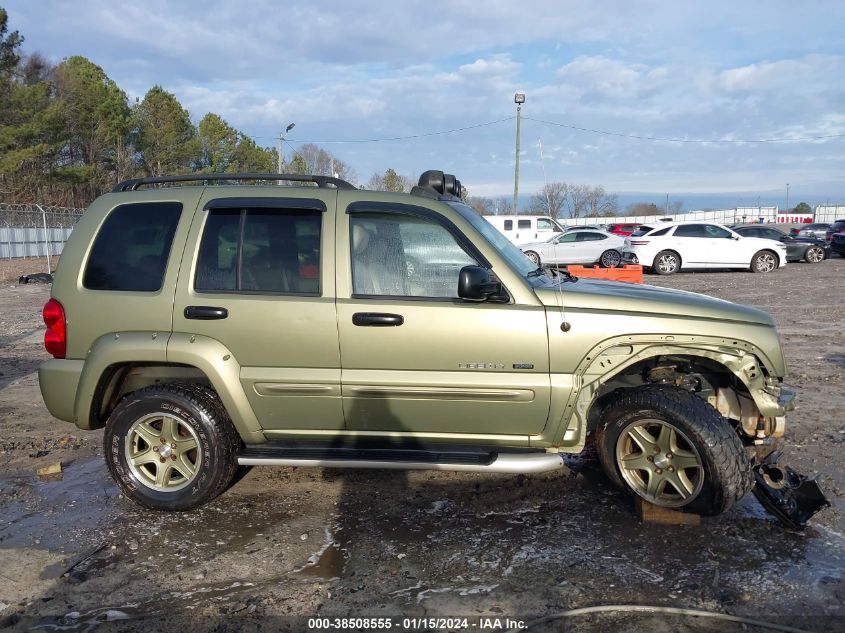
668,246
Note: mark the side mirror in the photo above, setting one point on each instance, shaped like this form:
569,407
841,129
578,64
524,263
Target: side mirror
474,284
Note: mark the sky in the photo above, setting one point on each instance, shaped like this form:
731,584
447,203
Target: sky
416,85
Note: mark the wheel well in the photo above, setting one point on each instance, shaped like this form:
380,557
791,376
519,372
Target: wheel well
701,376
123,378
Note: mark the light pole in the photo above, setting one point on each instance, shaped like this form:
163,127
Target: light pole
787,197
518,99
281,142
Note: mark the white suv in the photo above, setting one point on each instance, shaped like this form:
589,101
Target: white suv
672,246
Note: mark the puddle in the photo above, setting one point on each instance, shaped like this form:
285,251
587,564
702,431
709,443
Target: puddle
327,563
58,515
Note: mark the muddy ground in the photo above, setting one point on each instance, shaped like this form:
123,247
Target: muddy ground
284,545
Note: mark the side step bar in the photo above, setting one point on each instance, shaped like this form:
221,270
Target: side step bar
513,463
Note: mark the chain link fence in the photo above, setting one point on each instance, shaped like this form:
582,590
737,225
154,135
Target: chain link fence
34,230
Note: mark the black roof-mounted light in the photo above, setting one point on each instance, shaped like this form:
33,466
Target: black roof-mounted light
434,183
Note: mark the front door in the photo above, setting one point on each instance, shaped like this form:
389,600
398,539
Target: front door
415,357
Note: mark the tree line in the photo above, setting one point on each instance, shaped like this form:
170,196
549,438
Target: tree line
68,133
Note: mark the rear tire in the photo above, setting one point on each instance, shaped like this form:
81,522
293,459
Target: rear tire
666,263
764,262
671,448
814,255
534,257
171,446
611,258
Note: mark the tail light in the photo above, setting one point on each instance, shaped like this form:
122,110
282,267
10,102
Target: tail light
55,338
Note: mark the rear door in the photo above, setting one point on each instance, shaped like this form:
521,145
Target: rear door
261,282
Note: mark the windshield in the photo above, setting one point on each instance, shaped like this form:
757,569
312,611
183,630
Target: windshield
515,257
642,231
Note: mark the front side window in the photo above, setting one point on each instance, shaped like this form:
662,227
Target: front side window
260,251
404,256
132,247
717,231
544,224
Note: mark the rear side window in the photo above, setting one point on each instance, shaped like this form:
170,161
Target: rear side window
131,250
523,224
266,251
509,225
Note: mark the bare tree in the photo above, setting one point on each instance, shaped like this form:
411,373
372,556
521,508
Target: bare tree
549,201
599,203
322,163
481,205
390,181
643,208
502,205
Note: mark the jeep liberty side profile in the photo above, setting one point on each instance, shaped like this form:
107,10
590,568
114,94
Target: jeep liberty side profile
317,324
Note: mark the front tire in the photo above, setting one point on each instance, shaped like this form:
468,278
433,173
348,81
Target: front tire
764,262
611,258
674,450
666,263
171,446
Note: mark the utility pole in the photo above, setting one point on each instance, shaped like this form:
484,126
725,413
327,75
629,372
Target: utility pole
787,197
518,99
281,142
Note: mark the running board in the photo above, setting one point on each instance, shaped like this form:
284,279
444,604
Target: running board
512,463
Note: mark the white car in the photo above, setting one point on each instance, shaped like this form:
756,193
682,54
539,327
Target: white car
581,246
671,246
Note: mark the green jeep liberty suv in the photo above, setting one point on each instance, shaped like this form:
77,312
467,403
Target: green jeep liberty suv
316,324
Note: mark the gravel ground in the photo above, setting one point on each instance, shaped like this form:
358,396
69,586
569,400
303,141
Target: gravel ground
283,544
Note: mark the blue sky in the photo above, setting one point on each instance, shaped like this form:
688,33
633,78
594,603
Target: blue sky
722,72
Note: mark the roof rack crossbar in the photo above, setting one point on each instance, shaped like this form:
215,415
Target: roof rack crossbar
321,181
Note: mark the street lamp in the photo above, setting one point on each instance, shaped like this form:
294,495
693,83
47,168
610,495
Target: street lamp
281,142
518,99
787,197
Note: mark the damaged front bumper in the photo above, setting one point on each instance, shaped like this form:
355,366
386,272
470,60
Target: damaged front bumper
789,496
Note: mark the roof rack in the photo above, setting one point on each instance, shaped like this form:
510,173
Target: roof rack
321,181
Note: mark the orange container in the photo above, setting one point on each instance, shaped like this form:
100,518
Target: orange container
632,274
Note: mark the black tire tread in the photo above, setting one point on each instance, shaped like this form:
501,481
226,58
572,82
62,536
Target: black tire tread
208,404
725,457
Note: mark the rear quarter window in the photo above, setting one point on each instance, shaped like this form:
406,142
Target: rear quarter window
132,247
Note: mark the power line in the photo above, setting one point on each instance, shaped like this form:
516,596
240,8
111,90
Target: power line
684,140
410,137
639,137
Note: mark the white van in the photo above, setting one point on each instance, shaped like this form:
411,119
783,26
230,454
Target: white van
522,229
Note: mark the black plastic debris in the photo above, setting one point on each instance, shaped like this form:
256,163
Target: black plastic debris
36,278
791,497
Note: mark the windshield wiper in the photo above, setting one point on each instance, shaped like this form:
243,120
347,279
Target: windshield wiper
555,272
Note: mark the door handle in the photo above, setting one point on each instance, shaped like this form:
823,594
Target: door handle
378,319
205,313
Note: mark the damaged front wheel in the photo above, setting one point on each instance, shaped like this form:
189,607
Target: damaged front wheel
674,450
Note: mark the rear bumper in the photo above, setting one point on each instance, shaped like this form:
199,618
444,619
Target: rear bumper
59,380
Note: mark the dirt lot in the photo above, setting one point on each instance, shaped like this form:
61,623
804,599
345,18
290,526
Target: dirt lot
283,545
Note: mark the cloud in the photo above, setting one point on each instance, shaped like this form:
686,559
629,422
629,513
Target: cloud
364,70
